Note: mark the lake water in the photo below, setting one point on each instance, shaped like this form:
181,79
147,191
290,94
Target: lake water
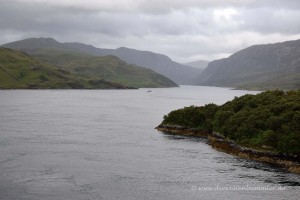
101,144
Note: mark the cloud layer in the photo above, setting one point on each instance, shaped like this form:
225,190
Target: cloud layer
185,30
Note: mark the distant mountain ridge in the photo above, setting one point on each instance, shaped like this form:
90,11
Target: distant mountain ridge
267,66
53,68
109,68
181,74
199,64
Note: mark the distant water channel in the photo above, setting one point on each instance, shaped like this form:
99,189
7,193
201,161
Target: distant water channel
101,144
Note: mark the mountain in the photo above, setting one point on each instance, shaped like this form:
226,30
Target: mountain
181,74
199,64
21,71
109,68
268,66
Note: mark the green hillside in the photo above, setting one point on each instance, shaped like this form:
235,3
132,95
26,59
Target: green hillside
105,67
259,67
268,81
21,71
161,64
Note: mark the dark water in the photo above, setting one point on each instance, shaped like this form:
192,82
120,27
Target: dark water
96,144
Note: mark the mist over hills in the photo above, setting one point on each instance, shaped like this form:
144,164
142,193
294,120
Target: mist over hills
199,64
181,74
266,66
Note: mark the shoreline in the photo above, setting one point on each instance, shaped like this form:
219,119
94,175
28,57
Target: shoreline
220,143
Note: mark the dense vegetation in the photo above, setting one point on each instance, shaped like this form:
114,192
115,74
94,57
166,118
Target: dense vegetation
270,119
21,71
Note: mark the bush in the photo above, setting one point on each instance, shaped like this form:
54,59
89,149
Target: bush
270,118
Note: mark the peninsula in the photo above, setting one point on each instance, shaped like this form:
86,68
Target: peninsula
263,127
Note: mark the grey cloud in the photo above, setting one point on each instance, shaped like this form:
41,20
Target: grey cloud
164,5
181,29
266,20
53,19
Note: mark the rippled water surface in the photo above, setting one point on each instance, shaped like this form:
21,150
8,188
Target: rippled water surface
101,144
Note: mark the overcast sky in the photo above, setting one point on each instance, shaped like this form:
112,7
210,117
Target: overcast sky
185,30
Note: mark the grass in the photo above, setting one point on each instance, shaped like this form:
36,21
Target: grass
109,68
18,70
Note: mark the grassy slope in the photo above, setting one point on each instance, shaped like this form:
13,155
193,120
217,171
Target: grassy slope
107,67
19,70
268,82
259,67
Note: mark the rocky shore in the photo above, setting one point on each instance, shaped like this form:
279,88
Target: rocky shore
218,142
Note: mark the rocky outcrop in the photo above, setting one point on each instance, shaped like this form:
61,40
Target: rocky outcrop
180,130
289,162
219,142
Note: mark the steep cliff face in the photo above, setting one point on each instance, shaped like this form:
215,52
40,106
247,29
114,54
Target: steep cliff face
267,66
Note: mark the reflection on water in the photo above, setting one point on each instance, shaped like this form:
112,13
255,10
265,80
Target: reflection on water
101,144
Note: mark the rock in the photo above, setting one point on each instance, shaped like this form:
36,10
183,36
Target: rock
289,162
